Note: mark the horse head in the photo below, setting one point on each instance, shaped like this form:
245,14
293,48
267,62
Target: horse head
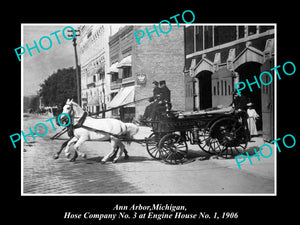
72,109
67,109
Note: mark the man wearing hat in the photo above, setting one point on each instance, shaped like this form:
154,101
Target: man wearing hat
153,99
163,97
165,94
156,91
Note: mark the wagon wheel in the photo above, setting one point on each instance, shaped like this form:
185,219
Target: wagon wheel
152,146
173,148
205,142
228,137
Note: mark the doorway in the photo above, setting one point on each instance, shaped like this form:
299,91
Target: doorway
205,89
247,71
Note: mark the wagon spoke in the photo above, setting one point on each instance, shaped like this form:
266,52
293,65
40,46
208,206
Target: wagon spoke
243,147
236,149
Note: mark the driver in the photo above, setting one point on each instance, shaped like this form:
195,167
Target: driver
164,97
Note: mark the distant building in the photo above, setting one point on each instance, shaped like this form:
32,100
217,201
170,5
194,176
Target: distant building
94,59
217,57
134,67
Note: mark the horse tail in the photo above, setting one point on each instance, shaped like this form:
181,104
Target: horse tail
131,130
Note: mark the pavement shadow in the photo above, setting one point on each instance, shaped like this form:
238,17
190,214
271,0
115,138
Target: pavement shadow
135,159
251,150
122,160
205,156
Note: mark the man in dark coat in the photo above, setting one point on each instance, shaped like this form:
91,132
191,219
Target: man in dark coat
240,105
164,97
165,94
239,102
156,93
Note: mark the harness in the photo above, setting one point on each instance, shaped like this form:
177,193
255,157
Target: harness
70,128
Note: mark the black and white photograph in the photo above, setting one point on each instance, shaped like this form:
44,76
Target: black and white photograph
148,108
132,114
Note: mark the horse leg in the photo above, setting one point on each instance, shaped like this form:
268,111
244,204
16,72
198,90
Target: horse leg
56,155
114,147
76,147
126,156
72,141
115,153
122,147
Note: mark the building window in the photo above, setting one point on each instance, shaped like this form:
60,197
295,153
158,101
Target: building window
222,87
218,88
189,40
229,90
114,77
251,30
208,42
225,86
265,28
241,30
199,38
101,76
224,34
215,90
127,72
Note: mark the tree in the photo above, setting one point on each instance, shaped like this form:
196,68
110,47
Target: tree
58,87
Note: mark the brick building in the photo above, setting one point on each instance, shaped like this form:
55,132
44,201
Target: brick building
134,67
217,57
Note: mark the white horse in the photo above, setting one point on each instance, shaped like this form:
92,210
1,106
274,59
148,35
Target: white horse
90,131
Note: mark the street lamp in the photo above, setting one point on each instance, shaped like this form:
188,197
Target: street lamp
71,34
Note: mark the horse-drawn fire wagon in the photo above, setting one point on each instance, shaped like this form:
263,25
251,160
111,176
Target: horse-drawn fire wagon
219,131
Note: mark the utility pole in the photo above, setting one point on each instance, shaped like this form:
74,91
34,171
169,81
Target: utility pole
70,34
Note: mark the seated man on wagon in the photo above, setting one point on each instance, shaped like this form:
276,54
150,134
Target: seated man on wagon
163,100
152,100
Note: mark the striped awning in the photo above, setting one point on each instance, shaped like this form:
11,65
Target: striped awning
124,96
125,62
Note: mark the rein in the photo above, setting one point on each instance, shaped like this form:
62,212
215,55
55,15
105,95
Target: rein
70,128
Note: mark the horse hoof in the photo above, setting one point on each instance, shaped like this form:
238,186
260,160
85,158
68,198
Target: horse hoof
83,156
102,162
115,161
72,160
55,156
68,155
126,157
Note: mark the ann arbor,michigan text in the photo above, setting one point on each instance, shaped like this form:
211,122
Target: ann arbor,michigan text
153,207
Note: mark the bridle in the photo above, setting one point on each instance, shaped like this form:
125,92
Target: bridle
70,113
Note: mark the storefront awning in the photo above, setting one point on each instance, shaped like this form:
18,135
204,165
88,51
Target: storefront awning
113,68
124,96
94,101
125,62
